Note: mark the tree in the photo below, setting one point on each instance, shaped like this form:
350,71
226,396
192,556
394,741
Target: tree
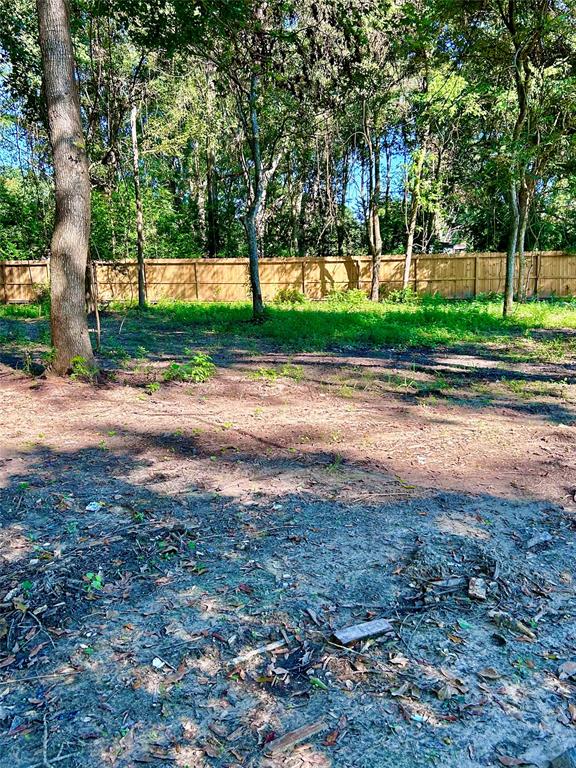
139,213
69,246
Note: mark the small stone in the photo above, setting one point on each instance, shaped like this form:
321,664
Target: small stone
541,538
568,669
94,506
158,663
477,589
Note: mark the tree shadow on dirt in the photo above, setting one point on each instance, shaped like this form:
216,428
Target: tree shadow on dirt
136,575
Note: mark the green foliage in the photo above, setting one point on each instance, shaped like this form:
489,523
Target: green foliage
400,296
198,370
93,582
82,370
25,217
352,297
290,296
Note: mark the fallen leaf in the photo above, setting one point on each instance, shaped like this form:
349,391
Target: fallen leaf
489,673
331,738
504,760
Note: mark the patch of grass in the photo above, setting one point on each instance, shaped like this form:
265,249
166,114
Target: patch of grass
288,370
527,389
346,321
23,310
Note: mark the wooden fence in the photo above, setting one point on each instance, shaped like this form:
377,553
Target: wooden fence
452,275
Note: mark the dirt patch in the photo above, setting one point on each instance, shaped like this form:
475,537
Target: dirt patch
150,538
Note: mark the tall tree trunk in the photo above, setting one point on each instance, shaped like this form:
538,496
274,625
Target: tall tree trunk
253,213
524,210
413,218
512,245
341,229
139,212
414,207
70,239
213,239
296,220
373,213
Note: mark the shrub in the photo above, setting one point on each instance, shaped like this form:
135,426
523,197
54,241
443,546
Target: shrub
82,370
352,297
199,369
290,296
401,296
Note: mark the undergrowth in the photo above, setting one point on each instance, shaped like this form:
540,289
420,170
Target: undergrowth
348,320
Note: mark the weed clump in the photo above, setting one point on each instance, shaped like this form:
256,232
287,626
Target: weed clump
198,370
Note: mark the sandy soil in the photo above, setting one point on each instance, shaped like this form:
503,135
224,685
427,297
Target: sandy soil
148,539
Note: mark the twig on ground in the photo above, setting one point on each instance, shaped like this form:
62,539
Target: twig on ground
55,760
15,680
45,761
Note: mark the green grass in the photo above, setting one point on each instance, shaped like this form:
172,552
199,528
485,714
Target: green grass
22,310
330,325
336,324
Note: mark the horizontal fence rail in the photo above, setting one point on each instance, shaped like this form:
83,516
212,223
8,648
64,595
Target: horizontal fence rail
551,273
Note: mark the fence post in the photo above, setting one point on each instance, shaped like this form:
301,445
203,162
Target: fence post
304,277
415,262
536,274
476,276
196,280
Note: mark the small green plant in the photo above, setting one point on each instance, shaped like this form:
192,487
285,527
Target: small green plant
49,357
198,370
294,372
26,588
118,353
288,370
290,296
94,582
152,387
335,465
402,296
81,370
265,374
28,364
353,297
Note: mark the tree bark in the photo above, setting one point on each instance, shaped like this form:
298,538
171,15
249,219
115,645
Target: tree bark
70,239
139,211
414,208
524,210
341,228
213,239
253,213
373,217
511,253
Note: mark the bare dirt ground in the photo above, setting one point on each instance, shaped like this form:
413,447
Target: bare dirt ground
150,538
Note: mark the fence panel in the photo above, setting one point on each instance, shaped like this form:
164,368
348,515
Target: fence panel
451,275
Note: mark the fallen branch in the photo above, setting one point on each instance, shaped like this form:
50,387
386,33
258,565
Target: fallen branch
293,738
363,631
